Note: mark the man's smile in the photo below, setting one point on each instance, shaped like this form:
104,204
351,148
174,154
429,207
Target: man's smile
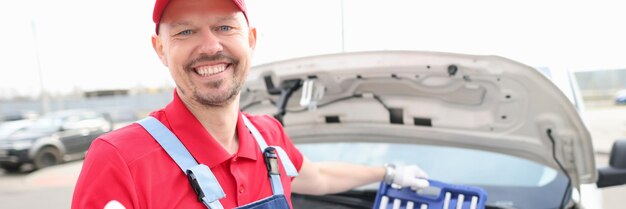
208,70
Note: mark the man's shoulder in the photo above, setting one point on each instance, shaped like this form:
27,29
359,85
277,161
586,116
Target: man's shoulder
132,134
131,141
125,135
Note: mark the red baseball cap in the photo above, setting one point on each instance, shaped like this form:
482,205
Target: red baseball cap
160,5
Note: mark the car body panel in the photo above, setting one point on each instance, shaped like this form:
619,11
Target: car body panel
479,102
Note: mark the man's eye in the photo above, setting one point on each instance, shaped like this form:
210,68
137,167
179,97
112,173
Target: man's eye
224,28
185,32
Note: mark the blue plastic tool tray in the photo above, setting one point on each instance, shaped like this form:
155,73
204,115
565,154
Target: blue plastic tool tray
438,196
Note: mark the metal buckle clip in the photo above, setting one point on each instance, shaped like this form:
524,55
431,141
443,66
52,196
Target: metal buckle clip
195,185
271,161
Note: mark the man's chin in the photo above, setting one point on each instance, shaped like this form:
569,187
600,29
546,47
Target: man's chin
215,100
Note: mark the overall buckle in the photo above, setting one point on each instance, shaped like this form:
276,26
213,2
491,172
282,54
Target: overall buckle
271,161
195,185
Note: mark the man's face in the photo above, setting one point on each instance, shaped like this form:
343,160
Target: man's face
207,45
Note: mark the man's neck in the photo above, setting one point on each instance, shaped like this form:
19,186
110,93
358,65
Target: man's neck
219,121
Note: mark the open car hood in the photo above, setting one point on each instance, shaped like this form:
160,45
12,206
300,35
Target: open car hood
480,102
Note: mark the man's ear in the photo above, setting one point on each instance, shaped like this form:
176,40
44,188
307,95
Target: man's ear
252,38
157,44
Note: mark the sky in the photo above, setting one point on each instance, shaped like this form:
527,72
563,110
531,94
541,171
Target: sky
68,45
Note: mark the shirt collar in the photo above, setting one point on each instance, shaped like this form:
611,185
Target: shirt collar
202,146
248,147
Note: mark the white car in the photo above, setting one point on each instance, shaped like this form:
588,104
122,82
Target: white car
471,120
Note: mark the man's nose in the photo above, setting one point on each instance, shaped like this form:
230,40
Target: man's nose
210,43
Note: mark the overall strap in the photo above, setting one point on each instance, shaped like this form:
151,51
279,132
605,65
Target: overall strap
271,162
271,154
200,176
287,164
169,142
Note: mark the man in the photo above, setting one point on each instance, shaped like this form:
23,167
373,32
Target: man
207,46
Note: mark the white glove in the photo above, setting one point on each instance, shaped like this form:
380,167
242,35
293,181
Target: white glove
114,204
407,176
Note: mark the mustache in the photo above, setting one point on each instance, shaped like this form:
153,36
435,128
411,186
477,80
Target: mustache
209,58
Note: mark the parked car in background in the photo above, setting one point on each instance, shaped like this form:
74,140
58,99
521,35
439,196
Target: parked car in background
53,138
8,128
472,120
620,97
22,115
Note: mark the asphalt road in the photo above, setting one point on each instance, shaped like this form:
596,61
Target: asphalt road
52,188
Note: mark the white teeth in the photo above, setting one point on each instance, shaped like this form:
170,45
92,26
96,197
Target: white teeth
210,70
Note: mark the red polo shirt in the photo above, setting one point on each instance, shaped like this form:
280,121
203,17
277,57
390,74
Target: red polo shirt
129,166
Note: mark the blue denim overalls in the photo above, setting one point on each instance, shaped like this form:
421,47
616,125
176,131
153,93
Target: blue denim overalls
202,179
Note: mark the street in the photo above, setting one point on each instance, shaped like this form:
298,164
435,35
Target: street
47,188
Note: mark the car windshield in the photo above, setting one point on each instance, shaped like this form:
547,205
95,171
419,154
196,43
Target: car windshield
527,184
45,124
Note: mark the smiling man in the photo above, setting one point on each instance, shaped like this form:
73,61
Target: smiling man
201,151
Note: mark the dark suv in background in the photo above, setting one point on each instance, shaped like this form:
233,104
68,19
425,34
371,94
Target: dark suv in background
53,138
620,97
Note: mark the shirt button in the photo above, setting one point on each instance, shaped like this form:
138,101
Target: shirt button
241,189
